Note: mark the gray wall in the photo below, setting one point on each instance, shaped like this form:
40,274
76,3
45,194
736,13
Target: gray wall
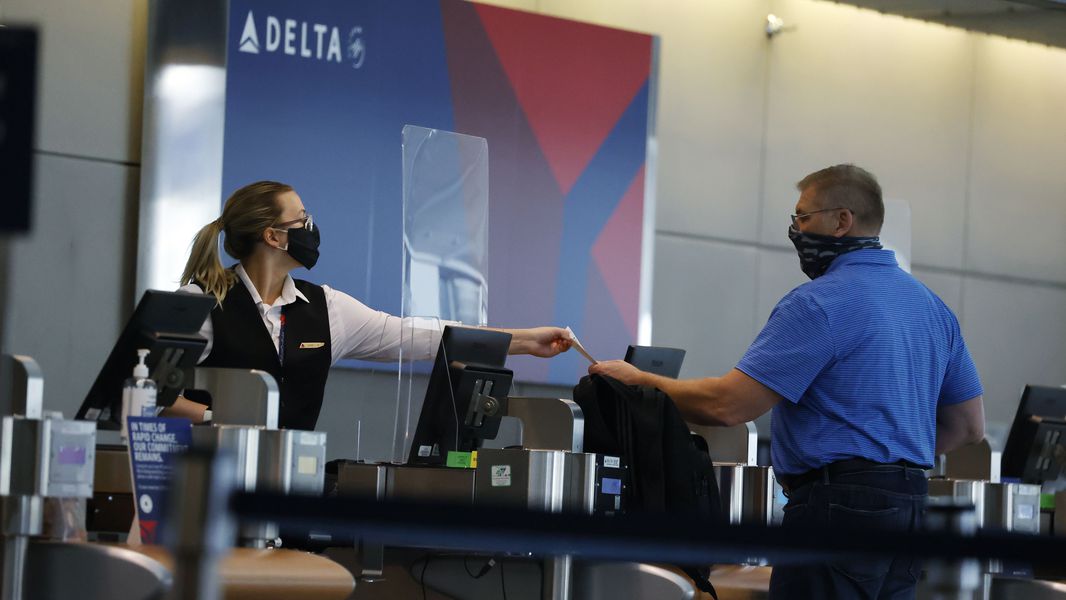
71,278
966,127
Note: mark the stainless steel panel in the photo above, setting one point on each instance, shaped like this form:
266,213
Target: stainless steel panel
630,580
240,396
92,572
23,386
1012,507
747,493
240,442
970,492
21,515
534,479
998,506
291,461
24,445
557,581
14,567
1003,588
580,490
549,423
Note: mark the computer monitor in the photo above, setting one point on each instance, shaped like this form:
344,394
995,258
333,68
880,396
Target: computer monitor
168,325
656,360
1040,408
466,397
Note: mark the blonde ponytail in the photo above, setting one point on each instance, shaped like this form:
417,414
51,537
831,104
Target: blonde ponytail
247,213
204,266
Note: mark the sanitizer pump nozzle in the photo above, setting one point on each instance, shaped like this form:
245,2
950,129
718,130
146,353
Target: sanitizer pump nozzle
138,393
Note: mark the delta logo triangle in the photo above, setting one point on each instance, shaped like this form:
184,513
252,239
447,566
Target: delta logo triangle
249,38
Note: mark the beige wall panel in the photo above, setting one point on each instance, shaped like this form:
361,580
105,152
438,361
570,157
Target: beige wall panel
91,74
889,94
1017,223
779,273
68,297
1017,335
703,304
710,103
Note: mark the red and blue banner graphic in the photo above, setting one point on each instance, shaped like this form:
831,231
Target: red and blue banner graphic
318,92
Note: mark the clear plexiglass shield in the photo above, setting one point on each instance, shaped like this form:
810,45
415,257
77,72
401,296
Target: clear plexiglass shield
445,256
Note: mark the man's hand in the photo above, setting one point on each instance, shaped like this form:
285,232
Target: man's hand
544,342
620,370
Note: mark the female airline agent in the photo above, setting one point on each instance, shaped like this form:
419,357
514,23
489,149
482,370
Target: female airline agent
293,329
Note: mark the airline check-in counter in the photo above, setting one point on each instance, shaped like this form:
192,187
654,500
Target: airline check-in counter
549,474
461,512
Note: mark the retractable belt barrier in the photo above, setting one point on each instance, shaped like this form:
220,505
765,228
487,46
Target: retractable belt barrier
206,509
641,538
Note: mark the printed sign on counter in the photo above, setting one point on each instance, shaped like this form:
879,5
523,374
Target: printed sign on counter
154,442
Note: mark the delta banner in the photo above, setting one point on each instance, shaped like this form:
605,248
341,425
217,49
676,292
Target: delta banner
318,92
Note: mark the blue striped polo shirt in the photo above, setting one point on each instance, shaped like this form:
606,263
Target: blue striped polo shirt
863,355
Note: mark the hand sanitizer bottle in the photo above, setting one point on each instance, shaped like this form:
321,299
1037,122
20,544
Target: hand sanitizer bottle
138,393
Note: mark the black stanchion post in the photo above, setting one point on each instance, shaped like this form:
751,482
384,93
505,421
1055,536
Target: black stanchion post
199,527
952,578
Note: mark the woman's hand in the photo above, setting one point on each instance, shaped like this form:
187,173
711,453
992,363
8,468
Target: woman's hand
183,407
544,342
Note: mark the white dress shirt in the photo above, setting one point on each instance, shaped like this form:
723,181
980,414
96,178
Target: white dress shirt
355,329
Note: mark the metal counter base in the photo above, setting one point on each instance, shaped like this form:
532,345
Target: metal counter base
62,570
410,573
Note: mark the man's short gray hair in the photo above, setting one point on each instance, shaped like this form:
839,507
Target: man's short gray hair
850,187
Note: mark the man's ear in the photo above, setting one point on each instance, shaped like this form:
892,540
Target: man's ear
845,223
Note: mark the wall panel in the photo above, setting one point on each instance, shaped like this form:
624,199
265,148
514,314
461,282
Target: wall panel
889,94
68,296
703,302
1017,335
90,76
1017,222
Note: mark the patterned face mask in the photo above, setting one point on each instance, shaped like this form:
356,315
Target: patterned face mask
817,252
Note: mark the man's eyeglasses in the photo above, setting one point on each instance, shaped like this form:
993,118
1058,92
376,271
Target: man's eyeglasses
308,223
797,219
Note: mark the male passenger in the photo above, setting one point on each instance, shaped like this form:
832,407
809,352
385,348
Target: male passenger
875,378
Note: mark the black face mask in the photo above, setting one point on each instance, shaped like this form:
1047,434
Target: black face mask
303,245
817,252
